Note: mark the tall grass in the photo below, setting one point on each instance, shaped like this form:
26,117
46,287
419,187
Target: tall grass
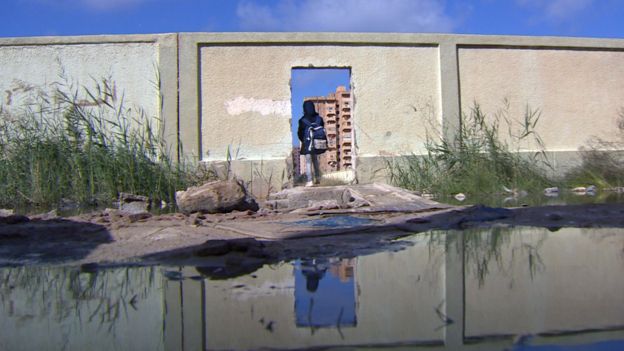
478,160
85,146
602,161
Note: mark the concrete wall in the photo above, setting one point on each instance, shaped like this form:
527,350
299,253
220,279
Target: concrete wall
231,91
403,86
143,69
245,96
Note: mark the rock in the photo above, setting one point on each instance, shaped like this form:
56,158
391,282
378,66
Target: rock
278,204
331,204
251,246
213,248
215,197
194,219
581,190
515,193
127,197
591,190
554,216
135,217
134,208
418,220
110,212
13,219
5,212
480,213
229,271
244,244
130,204
68,205
551,192
46,216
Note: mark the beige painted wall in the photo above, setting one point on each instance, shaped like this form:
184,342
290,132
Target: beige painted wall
142,69
400,82
131,66
246,102
579,92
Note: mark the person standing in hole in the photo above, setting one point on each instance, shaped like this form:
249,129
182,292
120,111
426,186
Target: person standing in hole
309,125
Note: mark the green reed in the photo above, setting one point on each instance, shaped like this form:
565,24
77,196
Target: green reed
84,145
478,160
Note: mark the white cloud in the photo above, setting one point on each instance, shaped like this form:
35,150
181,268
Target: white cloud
557,10
345,15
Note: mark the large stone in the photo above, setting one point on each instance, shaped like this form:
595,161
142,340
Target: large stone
215,197
131,204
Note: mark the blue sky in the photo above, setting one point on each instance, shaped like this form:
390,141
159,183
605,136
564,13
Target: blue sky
580,18
584,18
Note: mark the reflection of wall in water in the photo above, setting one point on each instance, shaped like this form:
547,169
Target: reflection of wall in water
567,280
63,309
396,297
573,282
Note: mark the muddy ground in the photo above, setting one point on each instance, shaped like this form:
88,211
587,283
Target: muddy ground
109,238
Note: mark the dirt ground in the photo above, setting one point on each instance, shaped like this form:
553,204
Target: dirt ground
110,238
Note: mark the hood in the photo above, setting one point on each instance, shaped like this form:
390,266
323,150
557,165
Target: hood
308,108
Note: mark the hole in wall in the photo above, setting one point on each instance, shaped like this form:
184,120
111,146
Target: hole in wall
330,90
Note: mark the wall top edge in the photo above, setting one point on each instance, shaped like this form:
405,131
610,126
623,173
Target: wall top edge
435,39
339,38
87,39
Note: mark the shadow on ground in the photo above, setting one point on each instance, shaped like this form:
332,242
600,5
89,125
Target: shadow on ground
57,240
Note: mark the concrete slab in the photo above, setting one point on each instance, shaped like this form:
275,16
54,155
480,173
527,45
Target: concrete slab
361,198
321,211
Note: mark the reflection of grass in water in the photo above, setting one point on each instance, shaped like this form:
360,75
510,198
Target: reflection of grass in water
63,294
483,249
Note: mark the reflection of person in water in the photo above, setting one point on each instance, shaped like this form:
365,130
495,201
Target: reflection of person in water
331,303
313,270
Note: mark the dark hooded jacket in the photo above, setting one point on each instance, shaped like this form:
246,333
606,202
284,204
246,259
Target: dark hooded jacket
309,113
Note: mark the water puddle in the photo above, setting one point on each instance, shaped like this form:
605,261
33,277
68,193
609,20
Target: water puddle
334,222
494,289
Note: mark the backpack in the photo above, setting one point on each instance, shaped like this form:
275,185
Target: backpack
316,135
